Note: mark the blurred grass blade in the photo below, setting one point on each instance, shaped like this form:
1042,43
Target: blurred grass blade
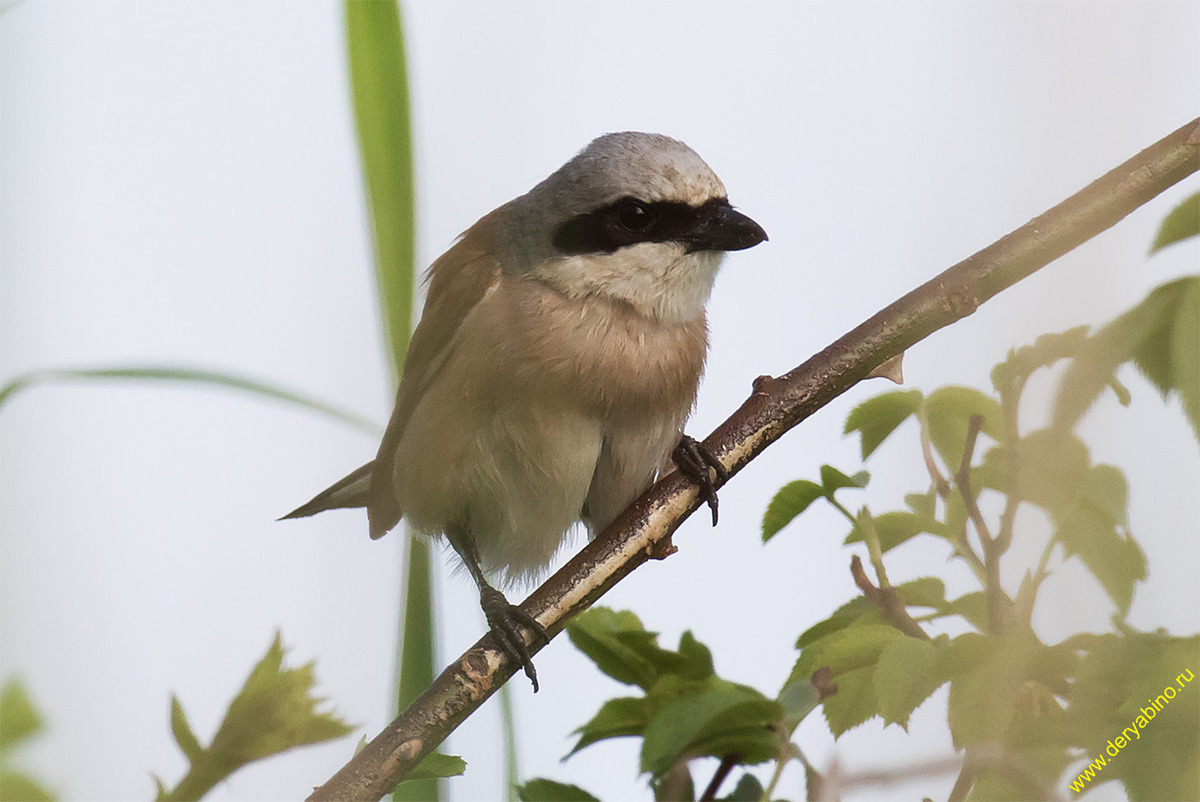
379,86
512,772
380,89
166,373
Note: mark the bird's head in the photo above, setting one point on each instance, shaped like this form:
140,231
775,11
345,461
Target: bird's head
636,217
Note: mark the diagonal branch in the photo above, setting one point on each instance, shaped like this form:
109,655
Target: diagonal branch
776,406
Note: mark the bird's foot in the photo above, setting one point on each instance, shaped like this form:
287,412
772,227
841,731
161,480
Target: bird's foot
505,620
694,460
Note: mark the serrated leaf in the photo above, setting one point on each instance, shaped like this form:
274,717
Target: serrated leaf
182,730
1106,489
845,649
724,718
273,712
617,718
833,480
904,677
19,719
1182,222
876,418
436,766
949,411
791,500
854,702
542,790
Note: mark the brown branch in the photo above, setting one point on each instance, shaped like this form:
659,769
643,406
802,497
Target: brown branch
775,407
714,785
887,600
997,602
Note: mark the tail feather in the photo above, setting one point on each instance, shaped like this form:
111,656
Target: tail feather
352,491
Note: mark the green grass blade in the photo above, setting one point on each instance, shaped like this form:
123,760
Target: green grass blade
379,85
168,373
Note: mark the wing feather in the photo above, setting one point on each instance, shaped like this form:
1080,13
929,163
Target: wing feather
457,281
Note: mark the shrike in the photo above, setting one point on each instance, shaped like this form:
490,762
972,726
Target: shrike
556,361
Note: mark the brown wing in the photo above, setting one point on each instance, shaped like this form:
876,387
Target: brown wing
457,280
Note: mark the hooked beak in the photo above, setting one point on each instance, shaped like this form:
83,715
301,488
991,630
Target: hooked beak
722,228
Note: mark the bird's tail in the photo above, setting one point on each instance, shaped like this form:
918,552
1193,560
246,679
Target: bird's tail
351,491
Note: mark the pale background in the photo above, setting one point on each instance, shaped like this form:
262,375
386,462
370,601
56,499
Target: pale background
179,184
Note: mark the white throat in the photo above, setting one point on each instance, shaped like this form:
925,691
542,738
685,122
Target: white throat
660,280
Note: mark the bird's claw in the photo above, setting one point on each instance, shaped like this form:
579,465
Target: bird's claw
506,620
694,460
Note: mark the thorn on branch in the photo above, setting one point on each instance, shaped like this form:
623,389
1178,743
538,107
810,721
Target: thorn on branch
891,369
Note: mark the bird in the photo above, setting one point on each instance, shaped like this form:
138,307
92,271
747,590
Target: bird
557,358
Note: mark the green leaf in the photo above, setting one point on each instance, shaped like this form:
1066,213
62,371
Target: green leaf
748,789
876,418
925,591
904,677
435,765
182,731
1147,334
798,697
841,618
722,719
973,607
616,718
174,373
854,702
1045,351
852,654
1119,678
1185,353
19,719
986,680
1052,468
542,790
272,713
949,411
622,648
17,786
791,500
1182,222
1115,560
895,528
833,480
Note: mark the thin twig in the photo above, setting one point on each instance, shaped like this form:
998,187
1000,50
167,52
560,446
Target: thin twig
714,785
887,600
776,406
997,602
939,482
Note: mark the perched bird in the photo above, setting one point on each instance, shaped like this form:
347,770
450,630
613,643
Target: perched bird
555,363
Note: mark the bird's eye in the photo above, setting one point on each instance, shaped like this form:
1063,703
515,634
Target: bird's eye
634,216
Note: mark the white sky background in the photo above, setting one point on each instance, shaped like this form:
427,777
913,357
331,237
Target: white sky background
179,184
